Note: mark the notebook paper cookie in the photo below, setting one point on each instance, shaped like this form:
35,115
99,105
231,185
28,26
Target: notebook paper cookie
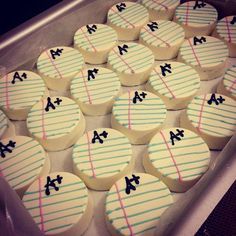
166,81
95,41
164,38
95,89
56,122
58,65
19,91
132,62
127,18
22,161
196,17
213,117
139,115
135,203
60,204
178,157
101,157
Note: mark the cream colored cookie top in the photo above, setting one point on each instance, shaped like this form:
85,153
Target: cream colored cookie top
160,5
179,154
196,14
135,204
3,123
60,62
168,78
95,37
162,34
139,110
95,85
21,160
229,81
102,153
204,51
213,114
53,117
21,89
131,58
226,28
128,15
56,202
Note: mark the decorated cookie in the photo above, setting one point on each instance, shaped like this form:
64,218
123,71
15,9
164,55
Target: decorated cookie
139,115
59,65
196,17
166,81
135,203
95,89
59,204
213,117
95,41
127,18
208,55
22,161
56,122
178,157
163,38
6,127
132,62
101,157
19,91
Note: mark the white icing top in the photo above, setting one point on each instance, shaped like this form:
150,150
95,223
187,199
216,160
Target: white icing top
210,53
160,5
24,163
60,62
171,85
103,87
3,123
184,159
229,81
21,89
138,212
198,17
212,119
95,37
99,160
143,115
56,122
61,210
136,59
168,34
131,15
226,28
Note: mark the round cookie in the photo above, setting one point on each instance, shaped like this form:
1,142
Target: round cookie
206,54
132,62
56,122
164,38
196,17
58,65
101,157
226,30
94,89
127,18
138,115
135,204
227,86
22,161
178,157
213,117
19,91
95,41
59,204
166,81
160,9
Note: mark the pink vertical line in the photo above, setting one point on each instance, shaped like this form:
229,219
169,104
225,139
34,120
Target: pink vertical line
161,4
232,85
7,92
194,53
124,212
228,29
86,88
200,114
172,156
151,33
122,18
89,41
187,14
90,155
41,206
129,111
44,137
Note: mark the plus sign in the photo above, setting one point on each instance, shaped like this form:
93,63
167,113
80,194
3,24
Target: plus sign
58,101
221,99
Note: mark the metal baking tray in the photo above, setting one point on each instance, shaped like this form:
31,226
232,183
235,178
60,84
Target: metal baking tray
20,48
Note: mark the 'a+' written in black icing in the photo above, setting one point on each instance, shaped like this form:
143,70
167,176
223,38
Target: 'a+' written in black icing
91,29
98,137
52,183
199,4
165,68
153,26
18,77
6,148
176,136
129,185
121,7
139,97
50,104
197,40
57,53
215,100
92,73
233,21
123,49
